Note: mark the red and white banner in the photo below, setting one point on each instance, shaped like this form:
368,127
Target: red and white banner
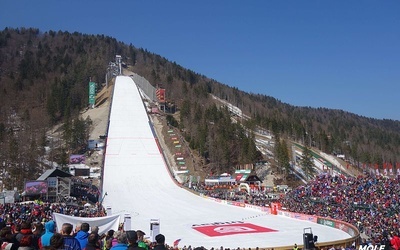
223,229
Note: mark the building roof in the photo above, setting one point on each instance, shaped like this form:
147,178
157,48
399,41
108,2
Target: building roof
55,172
253,178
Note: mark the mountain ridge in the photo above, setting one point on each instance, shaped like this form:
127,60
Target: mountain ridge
44,78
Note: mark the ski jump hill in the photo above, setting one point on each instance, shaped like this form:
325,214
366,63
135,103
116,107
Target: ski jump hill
138,184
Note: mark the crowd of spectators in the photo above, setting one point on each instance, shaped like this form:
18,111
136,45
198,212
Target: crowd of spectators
256,196
84,190
371,203
42,211
29,235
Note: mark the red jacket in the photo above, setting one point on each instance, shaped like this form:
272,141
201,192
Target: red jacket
395,242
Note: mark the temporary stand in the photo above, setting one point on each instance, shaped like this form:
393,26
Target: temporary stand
127,222
154,229
109,211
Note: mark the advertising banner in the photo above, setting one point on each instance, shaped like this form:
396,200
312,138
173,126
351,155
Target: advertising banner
35,187
76,159
160,95
345,228
92,93
326,222
222,229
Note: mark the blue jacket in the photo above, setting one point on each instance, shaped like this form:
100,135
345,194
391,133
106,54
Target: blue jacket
82,237
70,243
120,246
45,238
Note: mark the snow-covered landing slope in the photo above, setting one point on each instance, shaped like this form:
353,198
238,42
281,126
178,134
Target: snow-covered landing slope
137,182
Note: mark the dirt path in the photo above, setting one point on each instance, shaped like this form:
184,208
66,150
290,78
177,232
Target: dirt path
99,114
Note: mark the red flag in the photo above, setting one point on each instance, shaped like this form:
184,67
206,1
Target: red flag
176,243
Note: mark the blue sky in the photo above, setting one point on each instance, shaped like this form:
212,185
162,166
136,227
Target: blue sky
334,54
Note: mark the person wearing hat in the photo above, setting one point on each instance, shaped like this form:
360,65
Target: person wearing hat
140,239
49,227
132,237
160,242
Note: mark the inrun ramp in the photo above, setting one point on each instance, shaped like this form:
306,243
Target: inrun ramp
137,182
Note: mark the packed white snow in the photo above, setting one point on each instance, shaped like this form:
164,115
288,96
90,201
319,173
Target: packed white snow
137,182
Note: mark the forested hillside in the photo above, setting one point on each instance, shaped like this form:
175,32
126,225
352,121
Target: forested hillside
44,81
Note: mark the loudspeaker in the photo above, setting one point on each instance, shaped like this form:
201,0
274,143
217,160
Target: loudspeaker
308,241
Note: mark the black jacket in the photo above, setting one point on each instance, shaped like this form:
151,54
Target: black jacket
160,247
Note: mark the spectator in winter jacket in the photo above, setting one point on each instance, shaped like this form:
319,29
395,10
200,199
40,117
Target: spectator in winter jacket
83,234
106,242
16,229
77,228
25,231
122,241
57,242
37,231
26,243
131,235
49,231
95,230
395,242
160,242
140,240
6,239
70,243
93,241
114,240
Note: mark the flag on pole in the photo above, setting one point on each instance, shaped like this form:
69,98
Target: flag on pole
176,243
